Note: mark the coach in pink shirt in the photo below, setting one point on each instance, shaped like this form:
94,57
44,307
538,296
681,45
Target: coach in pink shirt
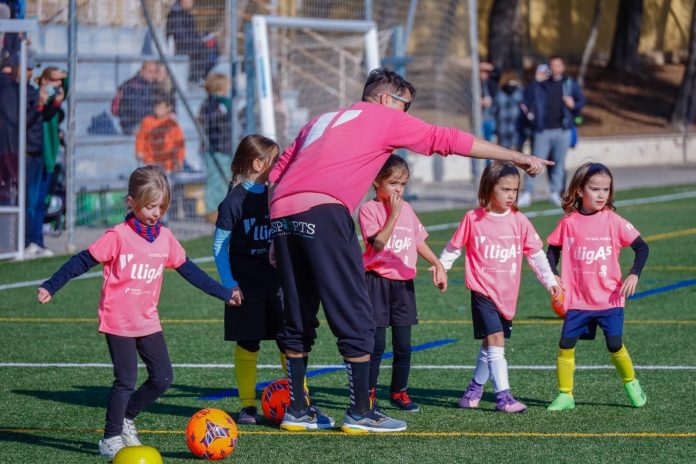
316,184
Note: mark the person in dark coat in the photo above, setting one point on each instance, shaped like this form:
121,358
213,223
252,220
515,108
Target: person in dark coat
201,48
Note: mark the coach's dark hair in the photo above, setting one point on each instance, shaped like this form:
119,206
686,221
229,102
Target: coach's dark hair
251,147
572,201
491,175
556,57
384,80
393,164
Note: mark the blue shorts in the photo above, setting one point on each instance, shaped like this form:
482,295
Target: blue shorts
486,317
583,324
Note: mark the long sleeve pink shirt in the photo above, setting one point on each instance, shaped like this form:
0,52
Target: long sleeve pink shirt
337,155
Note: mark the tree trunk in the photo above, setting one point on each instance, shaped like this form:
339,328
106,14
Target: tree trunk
683,111
504,35
624,50
591,41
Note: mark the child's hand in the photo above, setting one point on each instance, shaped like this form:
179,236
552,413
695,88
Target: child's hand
559,281
556,292
629,286
271,255
439,277
395,202
237,297
43,295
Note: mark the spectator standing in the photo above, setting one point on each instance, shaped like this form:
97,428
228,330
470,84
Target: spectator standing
489,86
36,176
507,111
554,103
215,117
202,49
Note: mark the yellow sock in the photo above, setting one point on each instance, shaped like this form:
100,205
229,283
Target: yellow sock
245,370
624,366
283,362
565,368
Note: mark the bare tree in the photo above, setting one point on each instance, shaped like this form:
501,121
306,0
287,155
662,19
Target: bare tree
624,50
591,41
504,35
683,111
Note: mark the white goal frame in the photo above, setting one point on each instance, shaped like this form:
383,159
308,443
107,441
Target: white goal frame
262,58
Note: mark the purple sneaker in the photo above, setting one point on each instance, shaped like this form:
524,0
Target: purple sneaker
472,396
506,403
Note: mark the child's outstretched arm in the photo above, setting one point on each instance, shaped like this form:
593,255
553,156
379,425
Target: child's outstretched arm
539,263
449,255
74,267
381,238
199,279
437,269
221,253
641,249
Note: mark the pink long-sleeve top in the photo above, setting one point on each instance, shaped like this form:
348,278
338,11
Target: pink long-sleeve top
337,155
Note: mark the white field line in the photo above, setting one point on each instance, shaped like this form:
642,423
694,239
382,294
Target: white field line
437,227
341,366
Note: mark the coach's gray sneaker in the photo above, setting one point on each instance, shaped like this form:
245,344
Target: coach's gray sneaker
130,433
374,421
108,447
310,418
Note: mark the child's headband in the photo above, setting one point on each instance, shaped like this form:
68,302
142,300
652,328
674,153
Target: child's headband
509,171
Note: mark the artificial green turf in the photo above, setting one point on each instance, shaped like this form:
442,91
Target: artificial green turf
53,414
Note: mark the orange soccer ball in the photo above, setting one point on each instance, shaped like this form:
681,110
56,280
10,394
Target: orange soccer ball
557,305
211,434
275,400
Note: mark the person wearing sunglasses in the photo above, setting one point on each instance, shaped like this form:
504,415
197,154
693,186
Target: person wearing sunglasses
315,186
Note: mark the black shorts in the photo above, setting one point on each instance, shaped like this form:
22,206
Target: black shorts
319,259
260,317
393,301
487,319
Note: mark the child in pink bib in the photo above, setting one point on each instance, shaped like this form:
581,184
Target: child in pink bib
134,254
496,236
588,240
394,238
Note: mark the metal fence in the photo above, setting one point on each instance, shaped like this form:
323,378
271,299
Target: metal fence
132,55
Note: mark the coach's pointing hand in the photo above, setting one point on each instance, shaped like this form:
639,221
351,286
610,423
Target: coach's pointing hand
531,164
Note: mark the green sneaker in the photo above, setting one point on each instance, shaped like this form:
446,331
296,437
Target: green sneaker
563,402
635,394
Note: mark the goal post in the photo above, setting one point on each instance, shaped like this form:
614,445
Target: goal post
317,49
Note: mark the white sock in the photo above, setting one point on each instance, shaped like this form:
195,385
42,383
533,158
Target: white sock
481,372
498,368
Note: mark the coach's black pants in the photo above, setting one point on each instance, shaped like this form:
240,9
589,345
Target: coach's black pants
123,402
320,260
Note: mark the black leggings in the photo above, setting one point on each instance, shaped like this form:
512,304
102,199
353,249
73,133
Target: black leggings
123,401
614,343
401,366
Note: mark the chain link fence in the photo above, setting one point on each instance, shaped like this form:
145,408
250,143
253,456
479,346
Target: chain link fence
152,84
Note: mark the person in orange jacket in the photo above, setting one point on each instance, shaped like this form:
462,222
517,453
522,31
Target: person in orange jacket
160,140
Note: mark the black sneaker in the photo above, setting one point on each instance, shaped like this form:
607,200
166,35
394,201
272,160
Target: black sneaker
249,416
402,401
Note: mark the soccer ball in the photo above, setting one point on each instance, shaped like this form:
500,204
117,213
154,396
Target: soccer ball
557,305
211,434
137,455
275,399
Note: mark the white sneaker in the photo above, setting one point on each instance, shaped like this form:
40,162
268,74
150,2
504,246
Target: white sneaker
108,447
555,199
524,200
130,433
44,253
32,251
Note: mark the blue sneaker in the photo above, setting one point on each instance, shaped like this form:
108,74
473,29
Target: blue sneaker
310,418
374,421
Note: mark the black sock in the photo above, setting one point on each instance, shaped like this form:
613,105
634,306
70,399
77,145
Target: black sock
296,375
358,383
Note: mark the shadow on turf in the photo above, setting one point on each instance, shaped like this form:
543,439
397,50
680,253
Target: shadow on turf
96,397
61,443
